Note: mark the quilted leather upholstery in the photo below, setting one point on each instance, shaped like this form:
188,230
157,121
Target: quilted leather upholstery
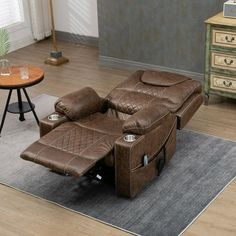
79,142
128,102
79,104
146,104
145,120
176,93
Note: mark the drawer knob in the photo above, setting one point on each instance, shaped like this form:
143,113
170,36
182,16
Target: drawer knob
229,39
227,84
228,62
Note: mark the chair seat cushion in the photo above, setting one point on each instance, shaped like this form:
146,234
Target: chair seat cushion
75,147
102,123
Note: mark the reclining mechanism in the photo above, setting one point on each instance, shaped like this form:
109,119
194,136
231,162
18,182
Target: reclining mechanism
131,132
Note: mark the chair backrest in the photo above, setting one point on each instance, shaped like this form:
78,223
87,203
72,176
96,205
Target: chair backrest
143,87
126,99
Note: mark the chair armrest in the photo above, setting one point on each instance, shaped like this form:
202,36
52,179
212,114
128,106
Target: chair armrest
145,120
132,171
46,125
79,104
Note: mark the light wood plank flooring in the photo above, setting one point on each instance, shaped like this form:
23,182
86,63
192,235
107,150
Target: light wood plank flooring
220,217
31,216
24,215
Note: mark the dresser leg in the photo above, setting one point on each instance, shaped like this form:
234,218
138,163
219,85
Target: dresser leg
206,99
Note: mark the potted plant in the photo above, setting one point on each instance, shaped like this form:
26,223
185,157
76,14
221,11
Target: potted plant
4,49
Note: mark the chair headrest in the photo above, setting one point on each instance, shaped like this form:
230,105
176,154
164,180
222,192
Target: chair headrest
164,79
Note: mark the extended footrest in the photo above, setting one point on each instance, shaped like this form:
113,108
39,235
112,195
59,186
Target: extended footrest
71,149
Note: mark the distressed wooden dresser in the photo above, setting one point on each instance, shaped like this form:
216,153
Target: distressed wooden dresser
220,67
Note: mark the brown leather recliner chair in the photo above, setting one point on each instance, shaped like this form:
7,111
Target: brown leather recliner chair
92,131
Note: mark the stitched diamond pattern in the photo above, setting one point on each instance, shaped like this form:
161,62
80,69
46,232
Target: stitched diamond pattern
76,140
132,102
129,108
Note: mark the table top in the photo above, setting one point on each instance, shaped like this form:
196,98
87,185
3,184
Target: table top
219,19
14,81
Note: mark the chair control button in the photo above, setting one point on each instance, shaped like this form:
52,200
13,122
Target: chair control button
145,160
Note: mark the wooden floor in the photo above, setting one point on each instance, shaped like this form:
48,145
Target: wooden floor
31,216
24,215
219,219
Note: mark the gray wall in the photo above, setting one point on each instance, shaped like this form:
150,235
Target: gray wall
167,33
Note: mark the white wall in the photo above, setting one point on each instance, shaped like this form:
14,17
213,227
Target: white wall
76,16
21,34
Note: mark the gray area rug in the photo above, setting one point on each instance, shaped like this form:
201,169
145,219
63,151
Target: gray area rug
200,169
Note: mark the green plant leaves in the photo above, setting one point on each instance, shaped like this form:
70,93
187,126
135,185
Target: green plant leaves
4,42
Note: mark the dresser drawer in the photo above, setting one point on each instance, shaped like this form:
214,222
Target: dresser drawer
224,38
223,61
223,83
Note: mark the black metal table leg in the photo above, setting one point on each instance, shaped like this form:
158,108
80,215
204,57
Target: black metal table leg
22,117
31,106
5,110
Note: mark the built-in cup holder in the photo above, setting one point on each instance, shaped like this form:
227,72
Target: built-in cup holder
130,138
54,117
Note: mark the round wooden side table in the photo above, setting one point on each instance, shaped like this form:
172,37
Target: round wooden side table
15,82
